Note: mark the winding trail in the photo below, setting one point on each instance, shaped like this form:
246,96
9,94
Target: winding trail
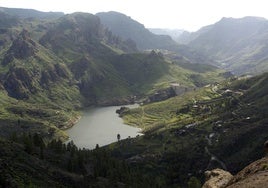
212,156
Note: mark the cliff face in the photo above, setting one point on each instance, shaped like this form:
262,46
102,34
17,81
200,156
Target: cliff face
254,175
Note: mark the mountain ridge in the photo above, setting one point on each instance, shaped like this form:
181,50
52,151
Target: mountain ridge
30,13
120,24
237,44
51,69
56,67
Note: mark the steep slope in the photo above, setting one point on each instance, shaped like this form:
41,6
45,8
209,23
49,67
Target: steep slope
36,86
128,28
173,33
219,126
51,68
239,45
253,175
30,13
104,73
39,91
153,71
87,48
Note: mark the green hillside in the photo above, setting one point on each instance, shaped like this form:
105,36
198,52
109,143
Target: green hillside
52,68
37,89
184,136
204,118
226,121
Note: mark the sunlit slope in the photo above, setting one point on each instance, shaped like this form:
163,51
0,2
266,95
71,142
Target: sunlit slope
223,125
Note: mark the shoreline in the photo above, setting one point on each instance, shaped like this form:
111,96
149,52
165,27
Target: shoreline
71,122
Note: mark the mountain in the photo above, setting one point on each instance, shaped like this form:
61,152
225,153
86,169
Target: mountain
222,125
194,116
30,13
157,159
45,80
128,28
173,33
239,45
186,37
51,68
35,86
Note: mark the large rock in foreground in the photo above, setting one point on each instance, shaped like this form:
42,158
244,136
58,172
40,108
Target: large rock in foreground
217,178
254,175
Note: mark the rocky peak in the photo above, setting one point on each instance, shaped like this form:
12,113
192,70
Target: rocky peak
22,47
19,83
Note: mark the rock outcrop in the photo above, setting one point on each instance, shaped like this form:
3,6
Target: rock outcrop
21,48
217,178
161,95
19,83
254,175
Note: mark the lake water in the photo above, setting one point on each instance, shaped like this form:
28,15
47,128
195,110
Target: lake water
100,126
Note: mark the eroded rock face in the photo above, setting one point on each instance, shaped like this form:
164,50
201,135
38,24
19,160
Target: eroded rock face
23,47
254,175
217,178
19,83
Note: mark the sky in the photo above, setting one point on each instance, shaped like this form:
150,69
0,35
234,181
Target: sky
189,15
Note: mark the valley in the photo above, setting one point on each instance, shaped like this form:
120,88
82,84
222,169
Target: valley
64,77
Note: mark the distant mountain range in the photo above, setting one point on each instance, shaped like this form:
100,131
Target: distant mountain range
173,33
240,45
128,28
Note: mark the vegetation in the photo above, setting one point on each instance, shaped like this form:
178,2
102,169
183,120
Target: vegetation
236,44
123,26
53,67
28,161
129,29
219,120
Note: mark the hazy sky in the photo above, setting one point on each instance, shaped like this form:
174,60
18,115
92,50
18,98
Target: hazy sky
183,14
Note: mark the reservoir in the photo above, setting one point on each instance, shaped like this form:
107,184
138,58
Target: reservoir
100,126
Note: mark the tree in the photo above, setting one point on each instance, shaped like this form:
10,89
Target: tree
28,144
118,137
194,183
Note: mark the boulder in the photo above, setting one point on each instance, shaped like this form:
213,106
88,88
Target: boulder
217,178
